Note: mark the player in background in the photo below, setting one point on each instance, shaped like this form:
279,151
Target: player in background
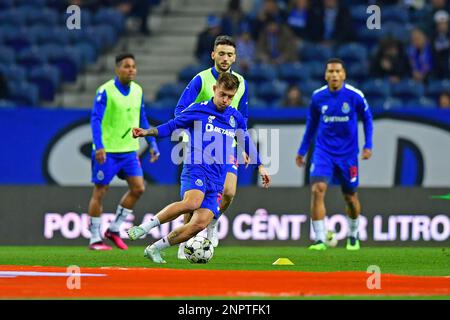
200,88
201,181
333,116
118,107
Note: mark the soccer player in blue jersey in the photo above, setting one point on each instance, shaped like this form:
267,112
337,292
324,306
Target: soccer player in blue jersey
118,107
333,119
200,89
213,126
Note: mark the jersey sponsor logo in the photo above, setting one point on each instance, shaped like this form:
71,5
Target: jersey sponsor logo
232,122
345,108
211,128
199,183
327,119
324,109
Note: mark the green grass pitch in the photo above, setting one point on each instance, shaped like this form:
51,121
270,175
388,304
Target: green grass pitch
406,261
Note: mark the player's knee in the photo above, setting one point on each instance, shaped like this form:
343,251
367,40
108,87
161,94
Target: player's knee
192,204
197,226
99,193
138,190
319,189
351,198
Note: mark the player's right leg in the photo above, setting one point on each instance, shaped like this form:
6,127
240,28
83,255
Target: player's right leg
191,201
95,210
321,172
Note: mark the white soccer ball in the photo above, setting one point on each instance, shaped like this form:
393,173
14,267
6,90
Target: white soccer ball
198,250
331,240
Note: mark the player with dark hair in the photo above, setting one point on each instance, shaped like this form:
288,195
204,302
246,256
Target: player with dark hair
200,88
217,124
333,116
118,107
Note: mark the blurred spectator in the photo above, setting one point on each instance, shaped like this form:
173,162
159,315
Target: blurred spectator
420,55
390,61
276,44
427,21
269,11
207,37
4,92
234,19
332,24
293,98
299,18
246,51
441,44
444,100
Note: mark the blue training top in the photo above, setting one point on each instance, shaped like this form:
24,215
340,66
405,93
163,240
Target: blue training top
212,133
333,115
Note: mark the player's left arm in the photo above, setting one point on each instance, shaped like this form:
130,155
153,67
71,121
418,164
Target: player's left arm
366,116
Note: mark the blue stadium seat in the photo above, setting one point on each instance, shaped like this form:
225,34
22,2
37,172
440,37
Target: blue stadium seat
257,103
316,70
271,91
34,3
67,61
102,36
352,53
358,71
187,73
6,4
14,72
358,13
19,40
293,72
47,79
261,73
111,17
394,13
396,30
308,87
407,89
422,103
31,58
369,38
87,50
436,87
12,17
7,55
390,103
314,52
168,103
24,93
170,90
47,34
375,89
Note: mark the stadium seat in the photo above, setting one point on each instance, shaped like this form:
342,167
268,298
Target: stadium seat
258,103
6,4
12,17
436,87
170,91
316,70
24,93
103,36
422,102
369,38
293,72
187,73
271,91
7,55
31,58
314,52
19,40
375,89
47,79
261,73
407,89
394,13
111,17
390,103
396,30
359,13
352,53
308,87
88,51
357,71
34,3
46,34
168,103
67,61
14,72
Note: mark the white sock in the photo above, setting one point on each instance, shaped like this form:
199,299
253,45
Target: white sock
121,215
213,222
94,228
162,244
153,222
353,226
319,229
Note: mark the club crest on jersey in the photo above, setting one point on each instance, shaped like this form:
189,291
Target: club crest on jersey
232,122
100,175
199,182
345,107
211,118
324,109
